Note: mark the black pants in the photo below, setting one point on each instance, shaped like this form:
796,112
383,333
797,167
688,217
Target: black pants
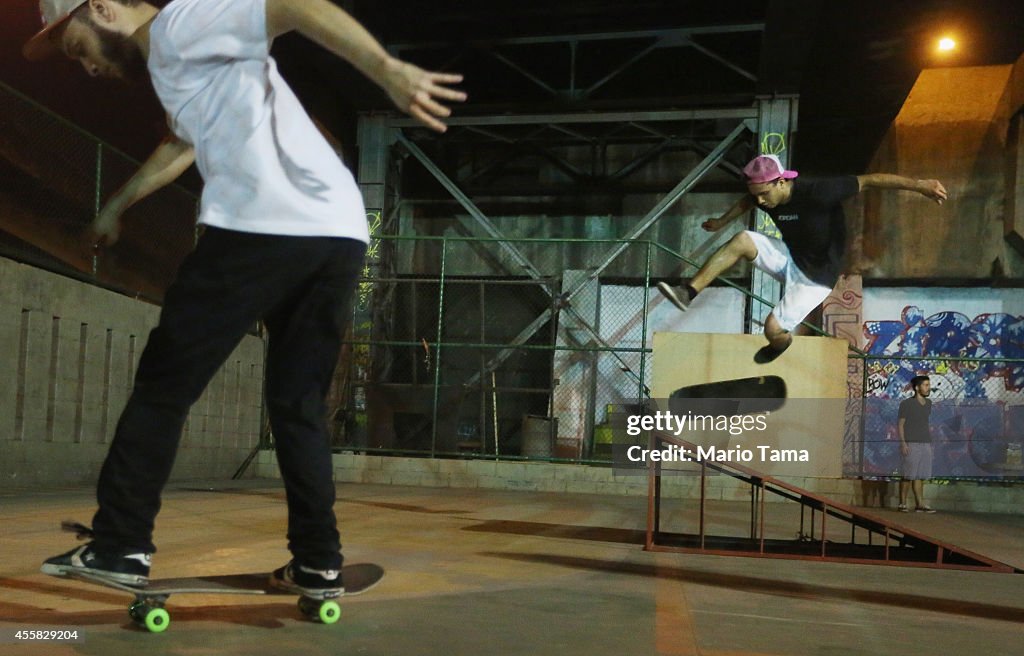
301,287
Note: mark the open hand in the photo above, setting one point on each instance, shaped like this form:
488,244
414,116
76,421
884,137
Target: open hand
933,189
904,449
422,94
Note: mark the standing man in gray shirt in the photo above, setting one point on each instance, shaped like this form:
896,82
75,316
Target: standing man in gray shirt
915,444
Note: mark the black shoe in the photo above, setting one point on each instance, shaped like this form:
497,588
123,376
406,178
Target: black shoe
769,353
679,296
129,569
312,583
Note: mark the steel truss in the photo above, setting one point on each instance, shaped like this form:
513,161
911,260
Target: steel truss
569,86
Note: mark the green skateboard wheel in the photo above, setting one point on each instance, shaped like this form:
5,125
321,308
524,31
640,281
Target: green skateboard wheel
157,620
329,612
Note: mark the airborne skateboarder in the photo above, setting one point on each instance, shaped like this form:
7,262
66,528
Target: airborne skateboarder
808,258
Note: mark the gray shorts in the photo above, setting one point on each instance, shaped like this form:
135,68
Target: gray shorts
917,465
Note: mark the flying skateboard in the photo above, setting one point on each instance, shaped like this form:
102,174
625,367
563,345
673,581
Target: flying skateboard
731,397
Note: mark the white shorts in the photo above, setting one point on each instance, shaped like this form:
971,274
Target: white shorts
801,294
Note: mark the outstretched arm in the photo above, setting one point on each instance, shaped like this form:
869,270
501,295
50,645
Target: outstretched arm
932,189
413,90
170,159
741,207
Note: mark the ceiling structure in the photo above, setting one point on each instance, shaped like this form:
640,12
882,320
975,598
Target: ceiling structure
851,62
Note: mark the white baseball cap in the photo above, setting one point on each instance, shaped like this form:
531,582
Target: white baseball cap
54,13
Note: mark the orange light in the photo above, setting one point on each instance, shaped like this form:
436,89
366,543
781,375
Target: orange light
946,44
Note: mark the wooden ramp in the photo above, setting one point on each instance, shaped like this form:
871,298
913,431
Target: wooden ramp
804,392
871,539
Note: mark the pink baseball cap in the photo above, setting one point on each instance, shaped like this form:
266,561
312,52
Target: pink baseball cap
766,168
54,14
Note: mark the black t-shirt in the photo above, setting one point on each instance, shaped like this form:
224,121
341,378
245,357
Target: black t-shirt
813,225
915,429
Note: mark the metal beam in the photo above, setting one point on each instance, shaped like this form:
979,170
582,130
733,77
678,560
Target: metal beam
569,169
525,73
722,60
573,133
470,207
622,67
777,116
735,113
513,252
579,38
643,158
702,169
709,162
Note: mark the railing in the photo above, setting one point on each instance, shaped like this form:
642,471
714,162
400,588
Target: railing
63,175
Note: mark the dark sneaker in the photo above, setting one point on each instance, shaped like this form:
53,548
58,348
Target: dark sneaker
312,583
902,508
679,296
129,569
925,509
769,353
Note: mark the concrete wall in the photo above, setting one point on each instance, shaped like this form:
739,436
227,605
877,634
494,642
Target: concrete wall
952,127
583,479
68,352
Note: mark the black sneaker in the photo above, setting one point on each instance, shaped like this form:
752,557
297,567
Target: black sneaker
679,296
129,569
769,353
312,583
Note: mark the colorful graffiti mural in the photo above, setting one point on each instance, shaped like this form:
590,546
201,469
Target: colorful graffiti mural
978,414
947,335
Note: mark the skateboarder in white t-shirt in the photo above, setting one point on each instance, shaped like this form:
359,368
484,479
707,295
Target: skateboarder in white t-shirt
284,240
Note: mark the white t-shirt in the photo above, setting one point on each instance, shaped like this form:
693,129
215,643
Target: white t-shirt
266,167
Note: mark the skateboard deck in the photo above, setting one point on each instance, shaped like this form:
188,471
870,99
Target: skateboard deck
148,608
738,396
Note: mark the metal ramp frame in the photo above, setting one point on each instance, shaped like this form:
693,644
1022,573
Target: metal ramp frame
873,540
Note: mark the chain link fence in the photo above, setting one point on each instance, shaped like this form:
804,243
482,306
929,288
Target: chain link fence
56,180
976,422
462,361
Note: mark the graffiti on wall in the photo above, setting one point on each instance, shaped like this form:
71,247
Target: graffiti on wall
947,335
978,413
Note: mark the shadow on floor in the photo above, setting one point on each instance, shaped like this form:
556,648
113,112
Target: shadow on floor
776,587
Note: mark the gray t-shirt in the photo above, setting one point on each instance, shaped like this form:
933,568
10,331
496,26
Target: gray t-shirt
915,428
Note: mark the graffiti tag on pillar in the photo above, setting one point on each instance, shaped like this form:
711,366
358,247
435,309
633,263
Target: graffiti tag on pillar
374,221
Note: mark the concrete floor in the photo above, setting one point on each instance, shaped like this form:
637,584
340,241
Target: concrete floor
497,572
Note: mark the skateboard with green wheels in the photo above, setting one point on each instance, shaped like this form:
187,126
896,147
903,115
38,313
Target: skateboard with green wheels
149,611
